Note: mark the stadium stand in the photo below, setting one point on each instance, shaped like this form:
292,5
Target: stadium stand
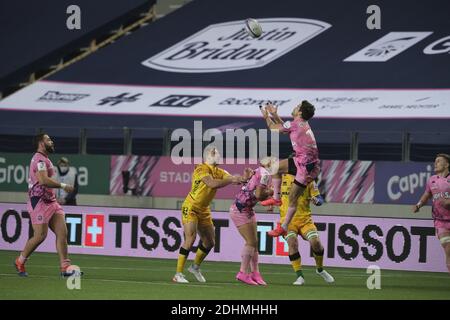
344,137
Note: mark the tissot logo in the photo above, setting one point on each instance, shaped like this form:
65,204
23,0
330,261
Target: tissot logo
265,243
175,100
56,96
123,97
388,46
227,46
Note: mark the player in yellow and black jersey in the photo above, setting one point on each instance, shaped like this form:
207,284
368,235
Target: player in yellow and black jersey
196,213
303,224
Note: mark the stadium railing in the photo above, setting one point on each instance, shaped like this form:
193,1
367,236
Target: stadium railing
333,145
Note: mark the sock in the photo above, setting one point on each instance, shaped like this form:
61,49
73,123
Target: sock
201,254
246,254
296,262
254,262
290,213
182,257
448,267
65,263
276,182
22,259
318,256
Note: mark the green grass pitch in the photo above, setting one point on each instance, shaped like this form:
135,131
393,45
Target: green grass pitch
146,278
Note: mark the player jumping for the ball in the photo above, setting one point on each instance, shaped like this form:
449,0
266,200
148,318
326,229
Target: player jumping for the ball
304,165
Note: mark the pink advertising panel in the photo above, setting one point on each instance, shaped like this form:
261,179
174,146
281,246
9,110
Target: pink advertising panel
354,242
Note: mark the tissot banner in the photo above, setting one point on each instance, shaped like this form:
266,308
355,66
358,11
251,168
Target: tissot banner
352,242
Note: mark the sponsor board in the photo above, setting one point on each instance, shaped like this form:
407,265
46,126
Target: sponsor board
339,181
351,242
92,170
56,96
401,183
388,46
237,102
227,46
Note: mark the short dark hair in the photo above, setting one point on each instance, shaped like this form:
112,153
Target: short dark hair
37,139
307,110
445,156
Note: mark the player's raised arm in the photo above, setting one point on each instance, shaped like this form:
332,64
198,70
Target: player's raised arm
271,124
262,193
220,183
273,112
423,201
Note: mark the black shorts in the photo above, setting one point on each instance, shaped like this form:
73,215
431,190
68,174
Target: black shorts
292,168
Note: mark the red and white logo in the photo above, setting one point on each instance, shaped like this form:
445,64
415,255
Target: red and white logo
281,247
94,230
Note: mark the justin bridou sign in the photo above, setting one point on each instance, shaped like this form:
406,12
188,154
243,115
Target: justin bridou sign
356,242
227,46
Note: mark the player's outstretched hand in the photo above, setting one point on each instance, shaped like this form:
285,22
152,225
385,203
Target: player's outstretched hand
318,200
271,108
415,208
68,188
237,180
264,112
248,173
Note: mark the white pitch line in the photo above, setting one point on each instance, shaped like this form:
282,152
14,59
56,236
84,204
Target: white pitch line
341,273
121,281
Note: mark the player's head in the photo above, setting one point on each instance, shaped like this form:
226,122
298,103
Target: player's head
211,155
42,142
441,163
271,164
305,110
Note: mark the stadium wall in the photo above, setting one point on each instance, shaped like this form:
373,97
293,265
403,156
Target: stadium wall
355,242
340,181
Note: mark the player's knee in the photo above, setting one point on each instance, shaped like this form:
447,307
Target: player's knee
318,250
189,241
40,236
447,249
61,234
292,243
251,243
209,243
206,247
316,245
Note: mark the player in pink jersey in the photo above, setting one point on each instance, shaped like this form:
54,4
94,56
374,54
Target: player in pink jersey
44,210
438,189
305,163
243,216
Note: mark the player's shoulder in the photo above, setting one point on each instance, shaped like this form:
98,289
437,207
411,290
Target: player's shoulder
261,171
261,176
201,167
221,173
38,157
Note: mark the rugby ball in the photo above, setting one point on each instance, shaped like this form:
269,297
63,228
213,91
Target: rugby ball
253,28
